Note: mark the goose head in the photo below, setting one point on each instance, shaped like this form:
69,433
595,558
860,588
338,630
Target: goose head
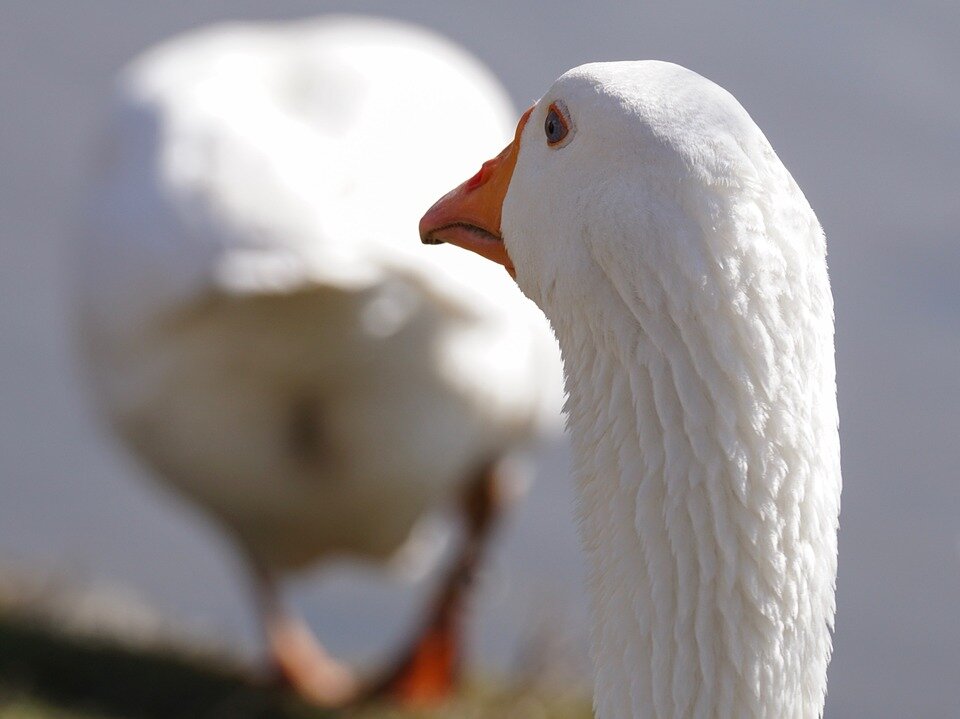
684,274
617,161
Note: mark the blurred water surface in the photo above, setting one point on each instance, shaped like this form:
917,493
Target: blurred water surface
859,99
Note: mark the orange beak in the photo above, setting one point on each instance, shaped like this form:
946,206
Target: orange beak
469,216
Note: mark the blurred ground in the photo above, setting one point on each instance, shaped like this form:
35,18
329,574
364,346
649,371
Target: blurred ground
54,673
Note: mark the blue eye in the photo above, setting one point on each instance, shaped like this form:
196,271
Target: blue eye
555,126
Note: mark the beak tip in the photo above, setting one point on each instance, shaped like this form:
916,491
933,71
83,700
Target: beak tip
429,239
427,227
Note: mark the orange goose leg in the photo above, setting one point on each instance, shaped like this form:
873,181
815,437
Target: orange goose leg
427,672
300,660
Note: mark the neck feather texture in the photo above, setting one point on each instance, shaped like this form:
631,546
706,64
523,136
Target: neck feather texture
708,493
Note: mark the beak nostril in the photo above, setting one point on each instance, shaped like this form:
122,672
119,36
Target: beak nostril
477,180
482,175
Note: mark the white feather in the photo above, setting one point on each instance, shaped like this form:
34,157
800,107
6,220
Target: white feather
684,274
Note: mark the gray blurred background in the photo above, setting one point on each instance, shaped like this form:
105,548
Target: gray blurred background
862,102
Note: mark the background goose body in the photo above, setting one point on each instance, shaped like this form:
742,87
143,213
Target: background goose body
684,274
258,320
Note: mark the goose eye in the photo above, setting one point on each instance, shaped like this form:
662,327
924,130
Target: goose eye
555,126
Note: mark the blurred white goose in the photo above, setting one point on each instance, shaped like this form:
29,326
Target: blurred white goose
262,326
684,274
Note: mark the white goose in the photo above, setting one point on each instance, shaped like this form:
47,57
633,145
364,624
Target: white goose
684,274
259,323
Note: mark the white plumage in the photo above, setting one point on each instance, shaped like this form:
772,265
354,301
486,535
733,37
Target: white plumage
257,317
684,274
